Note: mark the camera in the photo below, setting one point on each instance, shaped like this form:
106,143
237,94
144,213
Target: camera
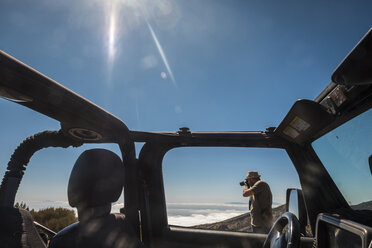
244,183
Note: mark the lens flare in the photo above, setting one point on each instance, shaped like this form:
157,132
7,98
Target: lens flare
111,37
161,52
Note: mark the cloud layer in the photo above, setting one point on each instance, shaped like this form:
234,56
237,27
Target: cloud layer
179,214
191,214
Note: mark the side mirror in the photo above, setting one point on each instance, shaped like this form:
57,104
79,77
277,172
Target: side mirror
370,163
296,205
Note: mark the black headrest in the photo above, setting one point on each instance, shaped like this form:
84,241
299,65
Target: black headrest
96,179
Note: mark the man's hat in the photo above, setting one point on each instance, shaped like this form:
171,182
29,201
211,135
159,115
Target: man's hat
253,174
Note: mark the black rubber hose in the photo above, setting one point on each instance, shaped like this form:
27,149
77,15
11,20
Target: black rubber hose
21,157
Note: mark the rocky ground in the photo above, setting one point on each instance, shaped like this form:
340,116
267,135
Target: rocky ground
241,223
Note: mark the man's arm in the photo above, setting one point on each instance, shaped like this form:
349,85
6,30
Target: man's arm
255,189
247,192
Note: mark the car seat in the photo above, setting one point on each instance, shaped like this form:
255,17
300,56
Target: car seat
96,181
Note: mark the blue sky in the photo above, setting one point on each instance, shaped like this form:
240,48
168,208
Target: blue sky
160,65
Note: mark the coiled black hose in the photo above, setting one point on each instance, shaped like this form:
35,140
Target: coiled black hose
21,157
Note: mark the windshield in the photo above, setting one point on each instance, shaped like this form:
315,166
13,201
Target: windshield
345,152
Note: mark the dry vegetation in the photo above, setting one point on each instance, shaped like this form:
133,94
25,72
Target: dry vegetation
54,218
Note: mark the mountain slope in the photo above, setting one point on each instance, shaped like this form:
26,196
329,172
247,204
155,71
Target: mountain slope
241,223
363,206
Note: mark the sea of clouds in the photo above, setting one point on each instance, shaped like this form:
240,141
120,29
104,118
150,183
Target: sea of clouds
179,214
191,214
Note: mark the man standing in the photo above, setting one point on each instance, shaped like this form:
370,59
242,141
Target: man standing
260,202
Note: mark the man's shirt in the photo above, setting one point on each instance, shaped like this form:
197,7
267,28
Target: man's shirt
260,207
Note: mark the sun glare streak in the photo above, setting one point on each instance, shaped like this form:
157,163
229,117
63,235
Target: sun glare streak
115,29
111,36
162,54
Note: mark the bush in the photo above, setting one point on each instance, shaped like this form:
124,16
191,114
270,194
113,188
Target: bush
53,218
22,205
